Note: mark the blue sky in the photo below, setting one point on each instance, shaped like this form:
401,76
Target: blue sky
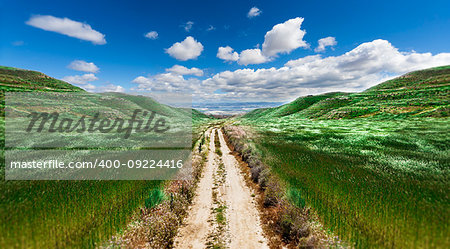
368,41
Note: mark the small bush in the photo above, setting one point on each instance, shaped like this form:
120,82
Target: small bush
255,171
293,224
263,178
272,193
162,230
253,161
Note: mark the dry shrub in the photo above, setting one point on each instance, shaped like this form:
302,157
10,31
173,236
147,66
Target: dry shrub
273,193
162,227
293,222
264,178
255,171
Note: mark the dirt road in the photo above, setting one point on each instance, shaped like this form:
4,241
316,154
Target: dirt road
223,213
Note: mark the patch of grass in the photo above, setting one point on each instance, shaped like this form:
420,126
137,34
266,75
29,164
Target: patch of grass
156,196
217,143
295,197
220,215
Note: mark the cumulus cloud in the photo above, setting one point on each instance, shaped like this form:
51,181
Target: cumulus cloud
364,66
153,35
83,66
66,26
111,88
188,26
83,80
88,87
167,82
254,11
284,37
182,70
185,50
252,56
325,42
80,79
227,53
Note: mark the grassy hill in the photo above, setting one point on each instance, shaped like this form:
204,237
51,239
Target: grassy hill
20,80
373,165
83,213
421,93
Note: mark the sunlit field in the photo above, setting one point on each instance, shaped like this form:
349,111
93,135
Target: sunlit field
59,214
373,182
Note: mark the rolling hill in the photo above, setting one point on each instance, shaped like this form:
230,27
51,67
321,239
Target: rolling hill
21,80
373,165
85,212
421,93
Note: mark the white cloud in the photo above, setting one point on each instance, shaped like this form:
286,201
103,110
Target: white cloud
83,66
254,11
67,27
153,35
167,82
101,89
142,80
364,66
83,82
210,28
188,26
185,50
284,37
110,88
181,70
325,42
88,87
80,79
227,53
252,56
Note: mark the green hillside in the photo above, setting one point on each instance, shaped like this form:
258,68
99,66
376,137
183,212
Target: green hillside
421,93
83,213
373,165
295,106
15,79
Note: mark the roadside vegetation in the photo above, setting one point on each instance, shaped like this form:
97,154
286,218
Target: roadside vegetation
284,209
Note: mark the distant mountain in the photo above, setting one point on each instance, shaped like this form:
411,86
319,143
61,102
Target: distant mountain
15,79
423,93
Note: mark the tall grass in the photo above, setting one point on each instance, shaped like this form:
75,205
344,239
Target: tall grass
375,183
59,214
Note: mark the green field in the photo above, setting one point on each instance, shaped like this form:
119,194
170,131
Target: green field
61,214
374,165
